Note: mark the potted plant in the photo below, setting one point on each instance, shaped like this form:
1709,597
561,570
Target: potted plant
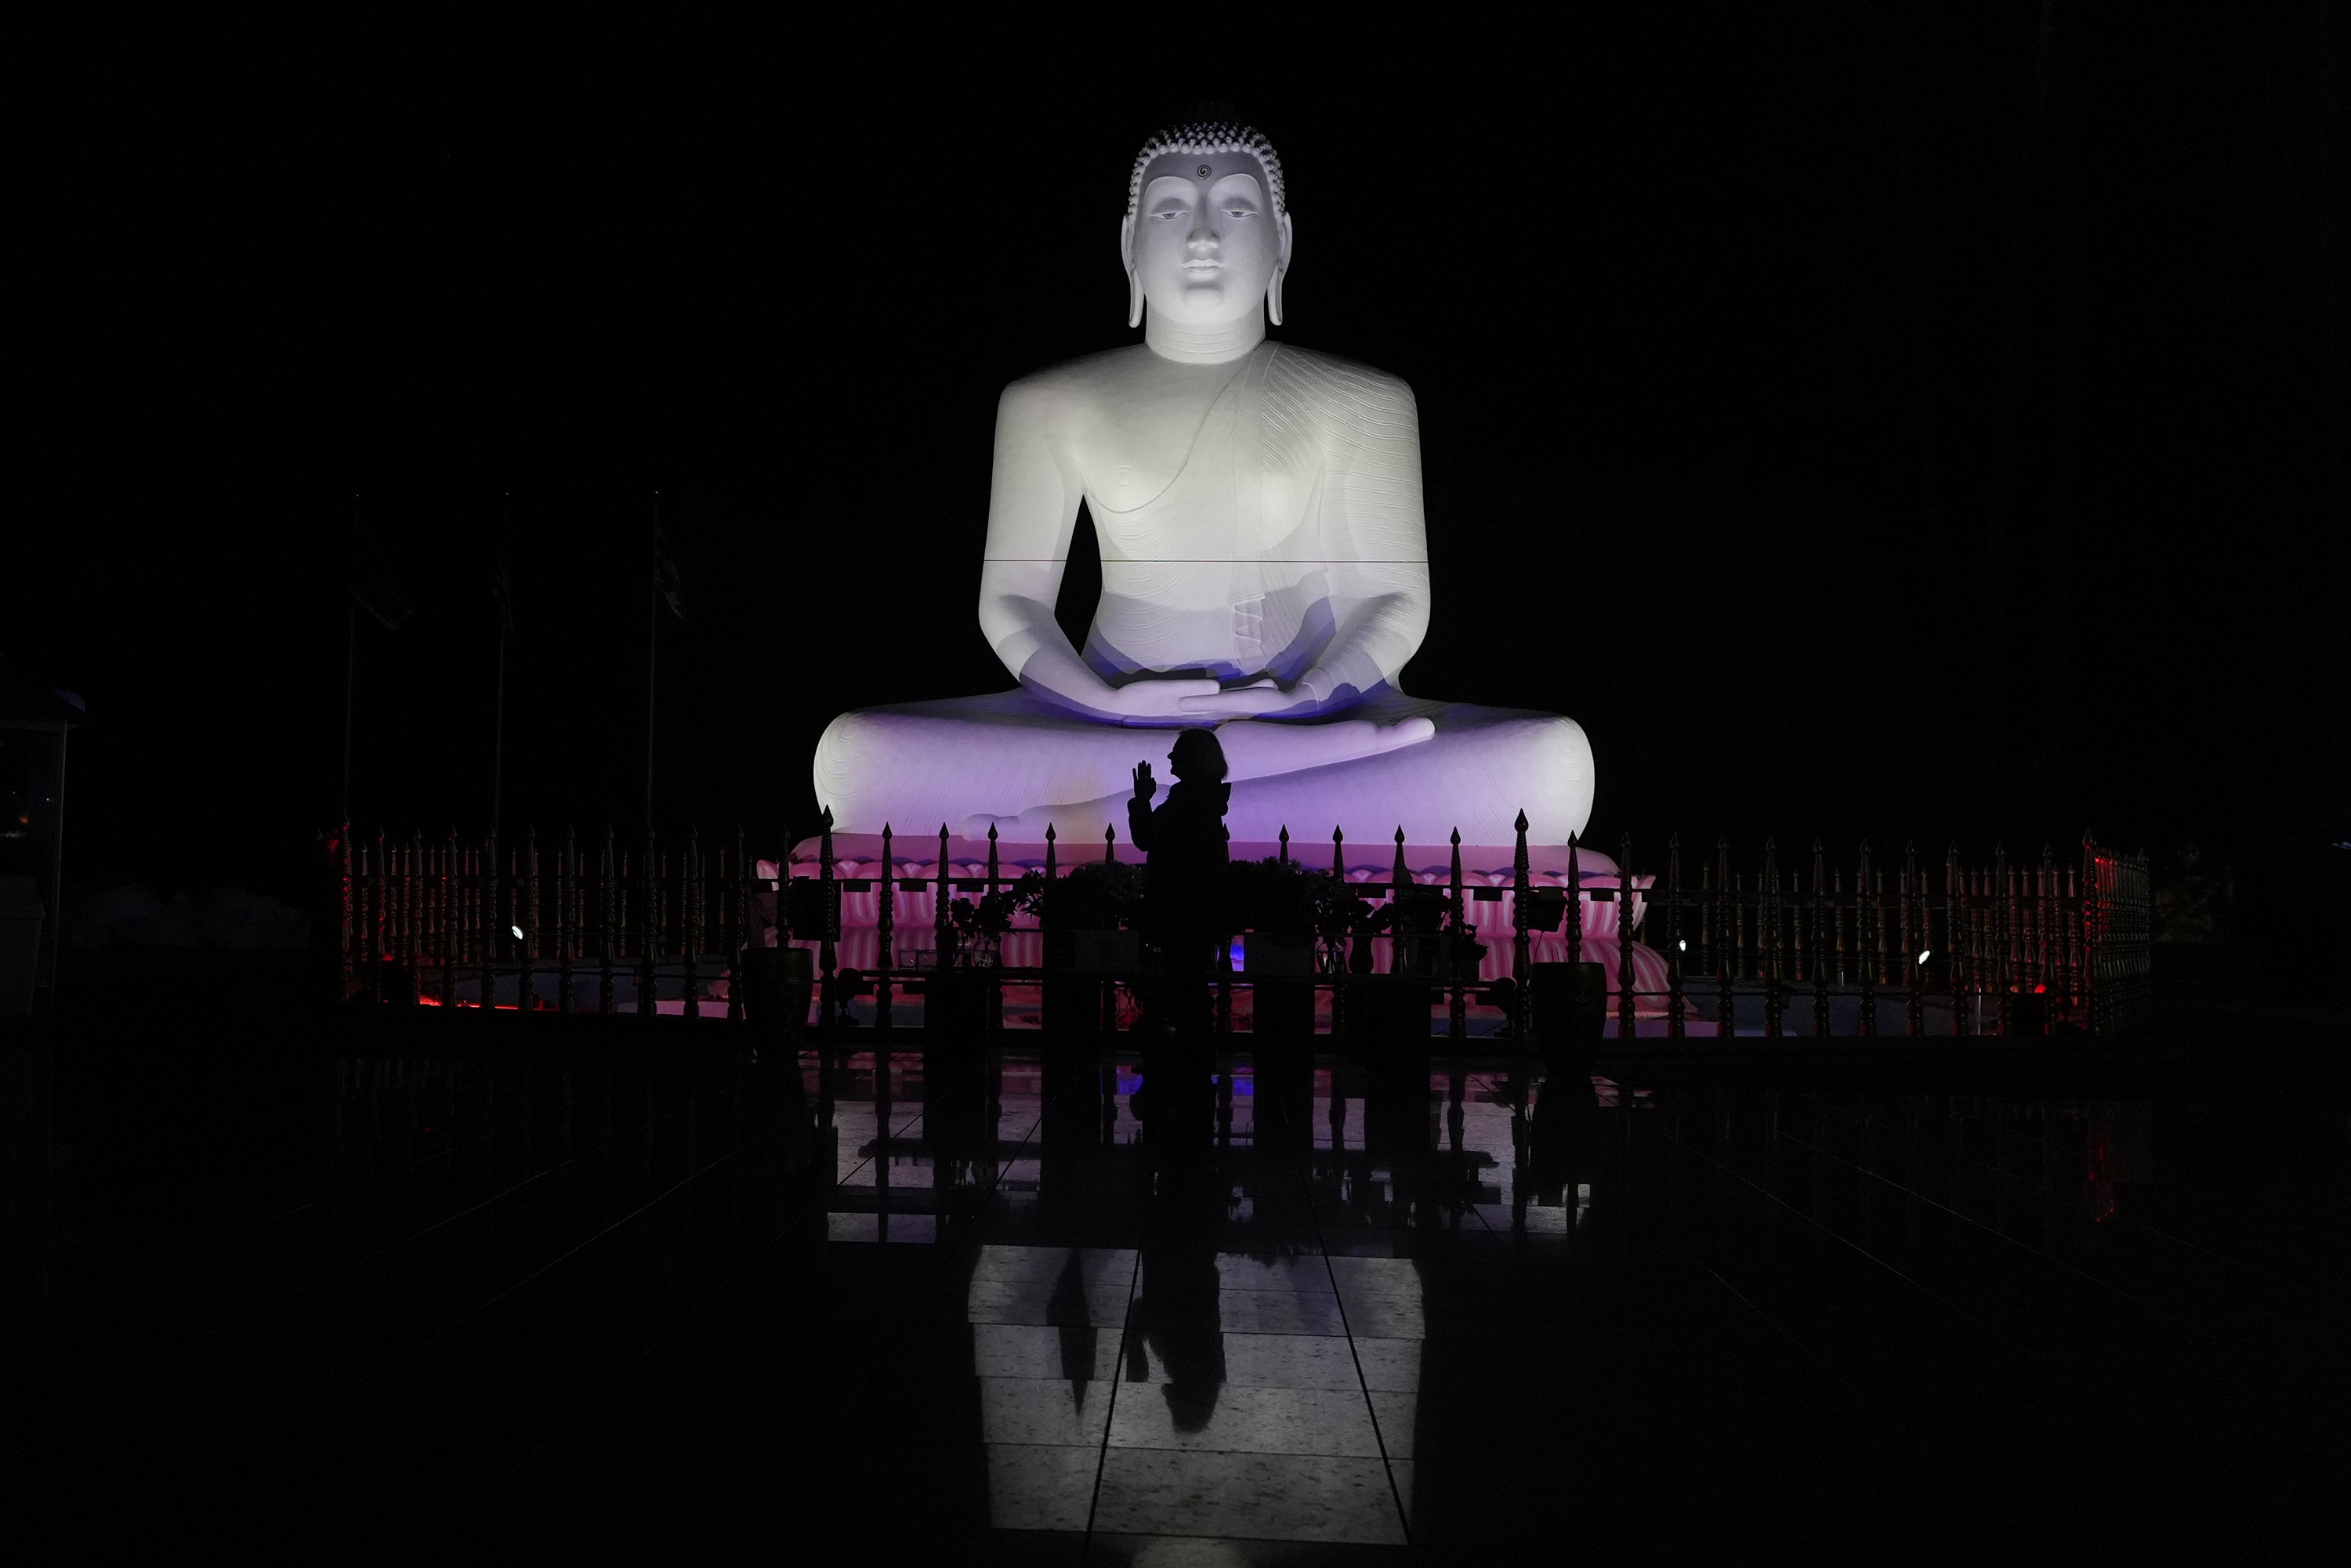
1273,901
1089,918
957,995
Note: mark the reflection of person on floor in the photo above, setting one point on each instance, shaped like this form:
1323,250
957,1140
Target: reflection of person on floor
1176,1314
1184,914
1184,879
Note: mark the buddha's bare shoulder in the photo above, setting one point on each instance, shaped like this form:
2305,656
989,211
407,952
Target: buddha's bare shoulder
1075,383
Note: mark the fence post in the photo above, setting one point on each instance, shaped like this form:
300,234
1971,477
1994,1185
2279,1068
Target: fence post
452,884
744,937
885,928
607,1004
2004,941
412,914
371,882
527,911
1283,855
1724,998
943,930
995,993
1817,914
2092,911
1768,919
1625,1008
2071,947
1915,939
566,888
1575,906
1865,949
1675,1025
348,944
1954,936
1456,1020
690,914
2046,978
1110,843
828,1006
1522,965
1051,870
486,904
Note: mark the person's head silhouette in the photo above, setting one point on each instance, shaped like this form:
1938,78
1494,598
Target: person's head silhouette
1197,755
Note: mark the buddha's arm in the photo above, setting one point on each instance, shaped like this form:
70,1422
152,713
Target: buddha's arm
1032,514
1374,537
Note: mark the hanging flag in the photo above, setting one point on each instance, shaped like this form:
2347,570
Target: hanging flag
371,583
503,590
665,578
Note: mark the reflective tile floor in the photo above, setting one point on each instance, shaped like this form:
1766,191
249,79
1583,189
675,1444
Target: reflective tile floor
1080,1307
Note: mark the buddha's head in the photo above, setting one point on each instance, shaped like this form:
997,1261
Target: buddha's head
1207,234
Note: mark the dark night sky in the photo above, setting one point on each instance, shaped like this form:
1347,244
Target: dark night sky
1710,334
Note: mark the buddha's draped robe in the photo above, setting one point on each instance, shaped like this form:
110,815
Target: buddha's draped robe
1289,544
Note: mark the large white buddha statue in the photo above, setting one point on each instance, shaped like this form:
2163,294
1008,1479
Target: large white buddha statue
1265,570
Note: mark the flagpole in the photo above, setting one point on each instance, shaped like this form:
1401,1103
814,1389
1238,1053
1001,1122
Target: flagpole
652,642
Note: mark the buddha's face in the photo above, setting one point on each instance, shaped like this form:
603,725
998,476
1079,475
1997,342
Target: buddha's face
1205,240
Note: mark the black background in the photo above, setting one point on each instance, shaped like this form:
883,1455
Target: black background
1722,340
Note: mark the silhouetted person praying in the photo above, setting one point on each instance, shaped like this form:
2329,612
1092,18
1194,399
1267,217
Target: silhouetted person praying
1184,881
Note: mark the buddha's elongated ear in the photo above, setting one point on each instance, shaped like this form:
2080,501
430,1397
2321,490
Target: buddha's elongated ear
1134,280
1280,269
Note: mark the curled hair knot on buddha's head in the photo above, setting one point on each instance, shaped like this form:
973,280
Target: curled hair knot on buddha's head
1210,136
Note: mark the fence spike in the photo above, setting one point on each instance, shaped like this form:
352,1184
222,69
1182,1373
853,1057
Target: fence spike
942,916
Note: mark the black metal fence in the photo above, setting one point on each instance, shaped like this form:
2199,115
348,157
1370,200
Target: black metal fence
1754,943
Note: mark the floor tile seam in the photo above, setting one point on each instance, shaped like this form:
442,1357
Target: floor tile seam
1860,1397
1110,1412
554,1435
317,1404
2065,1371
2197,1188
2145,1306
217,1237
1148,1447
2054,1202
534,1275
1363,1379
807,1214
1519,1265
389,1248
182,1249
